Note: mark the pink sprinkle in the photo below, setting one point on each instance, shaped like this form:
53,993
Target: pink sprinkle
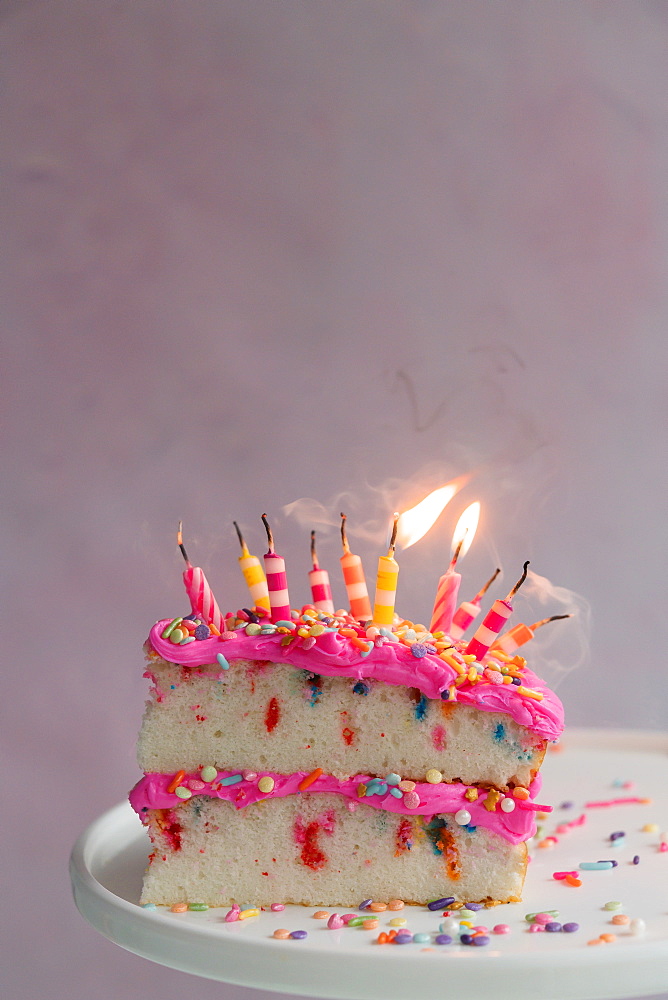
562,875
347,917
532,806
232,914
195,784
542,918
534,928
481,930
335,921
616,802
663,846
226,635
249,775
411,800
501,929
277,907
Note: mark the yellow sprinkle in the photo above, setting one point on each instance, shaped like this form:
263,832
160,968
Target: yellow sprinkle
471,794
452,693
303,632
492,799
455,664
650,828
519,661
433,776
248,913
498,654
266,785
398,922
472,675
529,693
469,658
507,679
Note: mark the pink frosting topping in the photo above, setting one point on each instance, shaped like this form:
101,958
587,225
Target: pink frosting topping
334,655
434,799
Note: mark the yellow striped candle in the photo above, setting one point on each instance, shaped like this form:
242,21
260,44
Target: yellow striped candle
386,583
251,567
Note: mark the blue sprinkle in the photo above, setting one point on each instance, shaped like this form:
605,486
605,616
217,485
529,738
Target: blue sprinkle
566,805
418,649
392,779
202,631
442,939
188,639
222,661
440,904
361,688
593,866
398,794
382,789
421,709
470,828
232,779
617,834
500,733
445,694
149,906
421,938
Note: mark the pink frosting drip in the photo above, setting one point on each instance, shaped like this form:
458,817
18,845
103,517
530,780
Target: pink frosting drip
516,827
392,663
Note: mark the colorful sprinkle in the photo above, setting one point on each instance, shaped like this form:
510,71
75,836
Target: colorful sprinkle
299,935
440,904
442,939
222,661
595,866
570,927
232,779
282,933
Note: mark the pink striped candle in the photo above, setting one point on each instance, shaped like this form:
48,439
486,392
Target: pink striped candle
468,611
448,586
202,600
494,621
321,590
277,581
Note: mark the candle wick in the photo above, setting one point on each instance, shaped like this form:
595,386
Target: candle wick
453,561
179,542
393,539
546,621
242,543
270,537
344,540
519,582
481,593
314,556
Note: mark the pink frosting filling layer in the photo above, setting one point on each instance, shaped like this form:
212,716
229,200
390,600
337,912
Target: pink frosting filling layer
392,663
516,827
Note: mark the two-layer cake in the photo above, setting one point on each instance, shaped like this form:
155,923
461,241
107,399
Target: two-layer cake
321,760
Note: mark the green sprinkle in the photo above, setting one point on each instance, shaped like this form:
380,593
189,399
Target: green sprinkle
209,773
198,906
357,921
253,628
529,917
165,634
613,905
182,792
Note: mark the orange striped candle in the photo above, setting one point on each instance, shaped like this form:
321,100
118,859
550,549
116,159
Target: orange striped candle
353,577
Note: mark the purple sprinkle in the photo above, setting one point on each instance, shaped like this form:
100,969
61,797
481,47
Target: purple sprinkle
298,935
553,926
440,904
445,694
403,937
636,859
517,680
474,906
480,939
418,649
617,835
465,938
570,927
363,905
566,805
202,632
607,861
252,617
442,939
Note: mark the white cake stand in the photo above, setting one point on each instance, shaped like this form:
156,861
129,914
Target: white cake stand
108,860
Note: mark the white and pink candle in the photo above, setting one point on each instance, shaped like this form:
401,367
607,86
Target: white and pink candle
277,581
494,621
202,600
468,611
448,586
321,591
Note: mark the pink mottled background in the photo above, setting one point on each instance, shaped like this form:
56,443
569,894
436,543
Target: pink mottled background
258,250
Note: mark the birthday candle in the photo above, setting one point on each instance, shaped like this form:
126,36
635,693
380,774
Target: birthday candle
468,611
277,581
448,586
386,583
353,577
494,621
319,580
517,636
202,601
253,574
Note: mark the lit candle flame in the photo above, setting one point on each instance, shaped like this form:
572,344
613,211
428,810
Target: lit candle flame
465,530
417,521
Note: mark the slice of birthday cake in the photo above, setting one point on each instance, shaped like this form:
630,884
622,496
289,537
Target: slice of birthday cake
319,758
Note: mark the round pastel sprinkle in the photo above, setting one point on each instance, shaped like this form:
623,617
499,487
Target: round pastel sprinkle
440,904
433,776
620,918
393,779
406,786
249,775
396,904
149,906
553,926
209,773
179,907
501,929
398,922
570,927
418,649
202,631
299,935
463,817
411,800
282,933
637,926
278,907
535,928
321,915
266,784
480,940
542,918
614,904
449,926
466,914
421,938
182,792
403,937
442,939
377,907
507,805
